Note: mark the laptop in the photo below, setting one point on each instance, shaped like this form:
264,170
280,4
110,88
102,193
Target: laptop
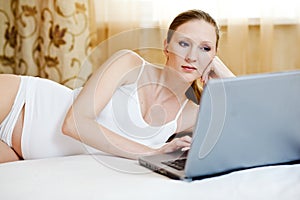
243,122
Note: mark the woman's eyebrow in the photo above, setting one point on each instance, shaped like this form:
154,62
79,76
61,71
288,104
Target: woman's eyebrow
202,42
184,37
207,42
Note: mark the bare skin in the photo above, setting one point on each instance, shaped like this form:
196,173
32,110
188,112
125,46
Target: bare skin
7,153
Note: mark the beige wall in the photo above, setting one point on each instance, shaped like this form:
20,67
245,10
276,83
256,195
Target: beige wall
253,50
246,49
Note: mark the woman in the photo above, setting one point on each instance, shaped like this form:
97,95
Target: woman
128,107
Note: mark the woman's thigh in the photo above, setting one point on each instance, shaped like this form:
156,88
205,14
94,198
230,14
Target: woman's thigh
7,154
9,85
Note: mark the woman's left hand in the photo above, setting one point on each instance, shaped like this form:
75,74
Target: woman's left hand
216,69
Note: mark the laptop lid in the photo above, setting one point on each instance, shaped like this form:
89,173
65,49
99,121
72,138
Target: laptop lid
246,122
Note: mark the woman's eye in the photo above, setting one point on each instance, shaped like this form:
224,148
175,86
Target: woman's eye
184,44
206,49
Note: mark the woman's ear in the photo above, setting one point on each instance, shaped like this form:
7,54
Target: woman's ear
166,48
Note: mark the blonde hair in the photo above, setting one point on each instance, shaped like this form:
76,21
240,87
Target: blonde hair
186,17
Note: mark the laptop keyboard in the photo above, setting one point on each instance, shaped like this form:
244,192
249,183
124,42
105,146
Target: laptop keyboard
176,164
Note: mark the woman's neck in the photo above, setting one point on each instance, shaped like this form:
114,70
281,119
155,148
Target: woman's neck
171,80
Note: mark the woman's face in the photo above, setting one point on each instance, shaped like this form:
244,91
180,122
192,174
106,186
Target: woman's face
191,48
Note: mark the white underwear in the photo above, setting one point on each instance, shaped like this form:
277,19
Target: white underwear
46,104
8,124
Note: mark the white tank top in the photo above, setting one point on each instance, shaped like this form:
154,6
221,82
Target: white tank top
123,115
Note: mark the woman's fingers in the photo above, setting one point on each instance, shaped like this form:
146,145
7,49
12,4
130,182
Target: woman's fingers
177,143
185,149
188,141
216,69
206,72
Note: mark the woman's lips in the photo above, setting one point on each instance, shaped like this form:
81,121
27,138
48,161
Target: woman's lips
188,68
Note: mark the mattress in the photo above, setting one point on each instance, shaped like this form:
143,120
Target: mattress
108,177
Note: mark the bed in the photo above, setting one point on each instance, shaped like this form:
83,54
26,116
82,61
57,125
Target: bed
107,177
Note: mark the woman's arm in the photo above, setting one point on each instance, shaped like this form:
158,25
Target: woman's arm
216,69
80,122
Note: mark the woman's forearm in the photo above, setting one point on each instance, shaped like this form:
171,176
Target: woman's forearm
93,134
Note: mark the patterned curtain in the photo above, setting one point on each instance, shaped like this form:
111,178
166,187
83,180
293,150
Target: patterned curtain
49,39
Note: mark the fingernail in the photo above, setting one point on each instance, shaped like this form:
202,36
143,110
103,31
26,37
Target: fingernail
185,148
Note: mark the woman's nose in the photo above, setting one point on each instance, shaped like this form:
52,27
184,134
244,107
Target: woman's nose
191,56
190,60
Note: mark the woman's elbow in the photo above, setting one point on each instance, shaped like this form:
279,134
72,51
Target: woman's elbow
68,126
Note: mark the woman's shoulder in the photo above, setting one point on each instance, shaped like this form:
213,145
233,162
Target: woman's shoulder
134,59
127,57
132,65
123,65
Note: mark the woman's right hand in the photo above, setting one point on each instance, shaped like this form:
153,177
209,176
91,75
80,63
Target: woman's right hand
182,143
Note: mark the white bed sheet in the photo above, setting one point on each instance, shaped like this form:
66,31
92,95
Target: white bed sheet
107,177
